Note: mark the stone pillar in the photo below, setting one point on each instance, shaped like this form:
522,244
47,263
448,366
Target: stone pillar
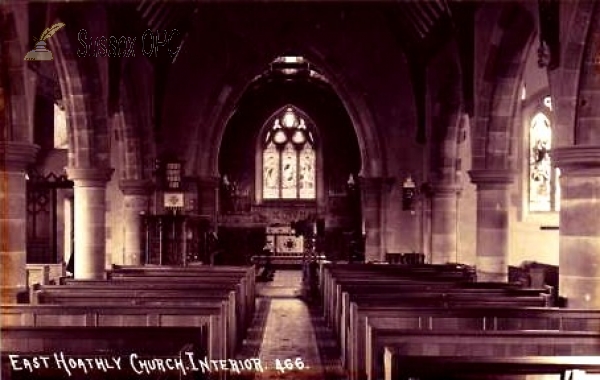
136,201
579,235
90,220
372,203
492,223
14,158
68,248
443,223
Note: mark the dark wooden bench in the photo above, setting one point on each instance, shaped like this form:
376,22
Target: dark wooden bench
210,315
197,286
427,295
225,299
458,319
404,367
330,274
473,343
424,294
245,276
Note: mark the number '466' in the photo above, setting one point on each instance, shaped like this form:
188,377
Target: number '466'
289,364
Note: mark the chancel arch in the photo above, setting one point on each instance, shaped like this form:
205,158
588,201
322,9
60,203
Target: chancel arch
319,141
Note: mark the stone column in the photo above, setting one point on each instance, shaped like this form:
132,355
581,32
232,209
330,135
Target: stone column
136,201
372,214
579,235
14,158
443,223
90,220
492,223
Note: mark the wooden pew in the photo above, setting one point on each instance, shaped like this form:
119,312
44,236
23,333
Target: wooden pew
333,294
156,273
71,296
350,338
404,367
474,343
458,319
184,285
38,316
443,295
430,274
161,285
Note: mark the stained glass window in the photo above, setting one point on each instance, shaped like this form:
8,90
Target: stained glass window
544,192
307,172
289,158
271,172
60,128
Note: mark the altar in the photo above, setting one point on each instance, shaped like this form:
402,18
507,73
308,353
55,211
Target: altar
287,248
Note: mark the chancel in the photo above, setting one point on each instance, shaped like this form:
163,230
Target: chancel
300,190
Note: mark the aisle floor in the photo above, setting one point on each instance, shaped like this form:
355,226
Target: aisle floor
291,332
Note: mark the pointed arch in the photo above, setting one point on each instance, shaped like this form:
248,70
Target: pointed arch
288,156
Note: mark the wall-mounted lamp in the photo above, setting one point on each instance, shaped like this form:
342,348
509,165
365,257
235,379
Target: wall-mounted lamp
412,194
409,192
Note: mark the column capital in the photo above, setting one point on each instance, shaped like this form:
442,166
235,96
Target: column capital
90,176
16,155
136,186
578,160
492,178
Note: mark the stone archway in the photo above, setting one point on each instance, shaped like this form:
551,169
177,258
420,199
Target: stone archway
373,161
497,96
87,129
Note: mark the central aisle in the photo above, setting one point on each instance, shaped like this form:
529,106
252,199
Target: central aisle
289,328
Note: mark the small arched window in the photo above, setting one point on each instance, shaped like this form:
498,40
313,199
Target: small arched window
60,128
544,191
289,158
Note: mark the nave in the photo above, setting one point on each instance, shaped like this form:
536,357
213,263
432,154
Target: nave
359,321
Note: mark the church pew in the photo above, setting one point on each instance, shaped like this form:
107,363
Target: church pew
473,343
433,296
206,272
246,280
200,271
192,278
332,273
243,299
458,319
332,295
417,301
449,292
332,292
103,342
403,367
421,293
209,316
67,295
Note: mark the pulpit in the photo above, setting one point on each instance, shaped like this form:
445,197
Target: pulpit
173,239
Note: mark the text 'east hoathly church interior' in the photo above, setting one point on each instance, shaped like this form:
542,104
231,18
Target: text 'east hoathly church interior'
300,189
